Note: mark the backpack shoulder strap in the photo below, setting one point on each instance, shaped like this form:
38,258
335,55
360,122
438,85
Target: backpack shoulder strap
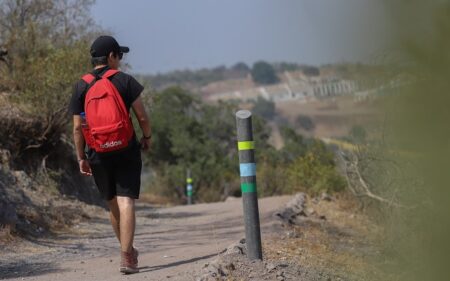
109,73
88,78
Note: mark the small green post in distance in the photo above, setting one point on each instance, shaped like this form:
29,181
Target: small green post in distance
189,188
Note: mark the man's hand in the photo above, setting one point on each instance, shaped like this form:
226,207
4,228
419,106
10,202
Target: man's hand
145,144
85,168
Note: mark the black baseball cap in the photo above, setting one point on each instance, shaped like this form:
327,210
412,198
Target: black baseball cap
104,45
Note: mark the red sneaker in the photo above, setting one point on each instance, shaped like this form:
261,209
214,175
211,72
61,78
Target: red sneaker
136,255
129,262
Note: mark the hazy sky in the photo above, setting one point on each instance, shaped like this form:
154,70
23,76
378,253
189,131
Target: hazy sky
165,35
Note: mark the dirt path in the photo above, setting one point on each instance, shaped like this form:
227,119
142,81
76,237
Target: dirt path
172,242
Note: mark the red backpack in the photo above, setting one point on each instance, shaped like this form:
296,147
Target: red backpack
108,124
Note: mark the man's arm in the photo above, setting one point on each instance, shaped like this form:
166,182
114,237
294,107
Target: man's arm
78,139
144,122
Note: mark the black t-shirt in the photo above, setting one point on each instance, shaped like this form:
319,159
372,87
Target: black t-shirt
126,85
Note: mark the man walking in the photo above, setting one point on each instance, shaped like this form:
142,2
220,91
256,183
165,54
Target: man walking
100,105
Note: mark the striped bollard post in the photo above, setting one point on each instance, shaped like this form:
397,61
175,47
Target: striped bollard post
189,190
247,169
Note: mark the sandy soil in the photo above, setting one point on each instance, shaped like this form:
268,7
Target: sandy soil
331,117
172,242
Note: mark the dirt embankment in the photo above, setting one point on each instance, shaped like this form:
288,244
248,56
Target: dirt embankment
41,189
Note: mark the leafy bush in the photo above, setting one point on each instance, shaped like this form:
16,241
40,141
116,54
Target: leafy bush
47,44
264,108
309,173
188,134
311,71
301,165
264,73
241,66
193,79
358,134
305,122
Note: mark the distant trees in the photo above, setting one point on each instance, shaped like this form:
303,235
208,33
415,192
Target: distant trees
311,71
315,171
241,66
305,122
301,165
264,108
190,134
286,66
196,78
358,134
264,73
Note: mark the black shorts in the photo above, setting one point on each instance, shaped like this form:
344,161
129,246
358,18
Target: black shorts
117,174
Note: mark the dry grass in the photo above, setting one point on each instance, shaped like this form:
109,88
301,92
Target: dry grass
331,117
346,244
5,233
155,199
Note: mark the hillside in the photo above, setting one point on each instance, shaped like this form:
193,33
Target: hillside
331,100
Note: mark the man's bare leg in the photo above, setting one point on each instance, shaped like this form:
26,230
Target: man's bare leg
126,223
114,216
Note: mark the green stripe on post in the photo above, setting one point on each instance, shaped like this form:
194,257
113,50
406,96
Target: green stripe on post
189,180
248,187
246,145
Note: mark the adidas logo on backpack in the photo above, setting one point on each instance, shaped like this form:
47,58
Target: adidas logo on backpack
109,126
111,144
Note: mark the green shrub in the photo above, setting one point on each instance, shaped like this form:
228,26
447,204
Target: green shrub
264,73
307,173
47,51
314,172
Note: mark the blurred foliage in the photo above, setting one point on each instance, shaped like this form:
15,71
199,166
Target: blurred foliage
301,165
286,66
47,49
358,134
264,108
305,122
44,50
188,134
407,160
264,73
194,79
315,171
47,44
242,67
311,71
